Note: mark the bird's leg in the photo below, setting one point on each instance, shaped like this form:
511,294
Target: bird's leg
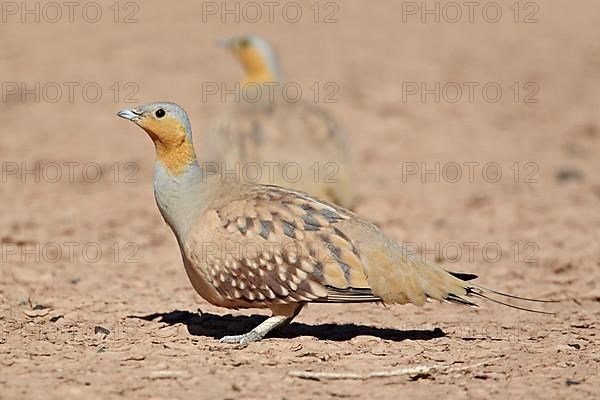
298,307
282,316
257,333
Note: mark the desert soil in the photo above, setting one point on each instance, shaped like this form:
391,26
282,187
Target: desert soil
125,323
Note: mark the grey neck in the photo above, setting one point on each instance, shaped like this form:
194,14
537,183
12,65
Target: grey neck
180,198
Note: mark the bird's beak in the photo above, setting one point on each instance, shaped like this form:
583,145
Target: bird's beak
129,114
226,43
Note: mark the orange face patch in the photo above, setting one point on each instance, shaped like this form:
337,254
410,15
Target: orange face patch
173,148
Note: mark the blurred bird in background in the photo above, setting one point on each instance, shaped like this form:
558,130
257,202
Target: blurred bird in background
295,144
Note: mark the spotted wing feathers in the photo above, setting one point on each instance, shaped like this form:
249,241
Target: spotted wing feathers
275,246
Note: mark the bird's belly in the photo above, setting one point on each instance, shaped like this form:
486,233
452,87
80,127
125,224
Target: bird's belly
201,285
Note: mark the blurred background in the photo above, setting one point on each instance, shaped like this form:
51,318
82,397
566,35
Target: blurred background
499,87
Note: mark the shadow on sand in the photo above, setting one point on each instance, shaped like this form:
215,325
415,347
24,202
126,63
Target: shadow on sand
217,326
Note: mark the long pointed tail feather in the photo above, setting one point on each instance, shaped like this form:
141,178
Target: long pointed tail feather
483,296
512,296
483,293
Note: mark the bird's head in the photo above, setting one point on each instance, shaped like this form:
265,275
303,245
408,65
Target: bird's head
169,127
257,57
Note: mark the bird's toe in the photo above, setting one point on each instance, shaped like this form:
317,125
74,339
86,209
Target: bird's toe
244,339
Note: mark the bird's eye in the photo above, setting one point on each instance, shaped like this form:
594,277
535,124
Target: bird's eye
159,113
243,43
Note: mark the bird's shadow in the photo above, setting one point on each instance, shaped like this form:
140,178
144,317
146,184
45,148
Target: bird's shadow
217,326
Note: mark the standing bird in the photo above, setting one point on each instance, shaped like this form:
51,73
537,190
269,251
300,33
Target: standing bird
248,245
295,143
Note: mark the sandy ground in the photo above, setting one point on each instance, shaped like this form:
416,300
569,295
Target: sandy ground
94,301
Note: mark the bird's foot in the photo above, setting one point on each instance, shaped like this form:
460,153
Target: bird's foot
259,332
284,315
246,338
